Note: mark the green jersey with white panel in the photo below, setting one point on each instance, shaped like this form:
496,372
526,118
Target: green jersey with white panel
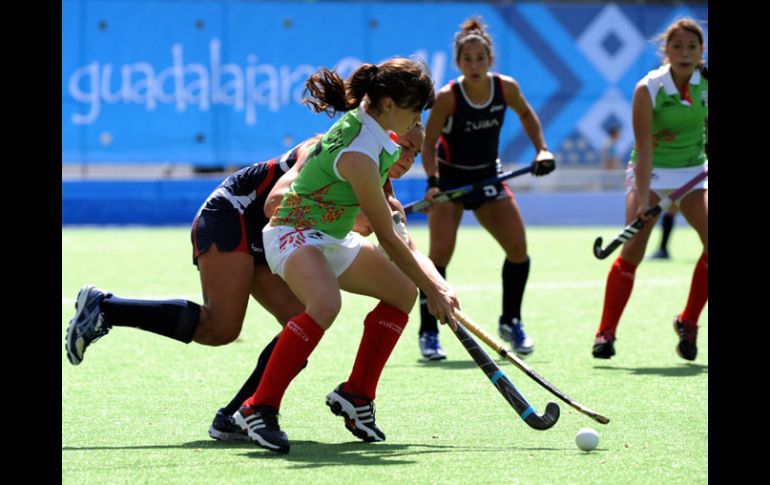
678,121
320,198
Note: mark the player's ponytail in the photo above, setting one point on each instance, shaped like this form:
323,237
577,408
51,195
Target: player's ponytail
406,82
325,92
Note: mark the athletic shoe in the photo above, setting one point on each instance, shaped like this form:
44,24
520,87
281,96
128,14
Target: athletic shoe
504,329
522,343
88,324
430,346
223,428
660,254
261,424
358,413
688,335
604,346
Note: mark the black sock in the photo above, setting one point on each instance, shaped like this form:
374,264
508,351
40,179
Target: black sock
176,319
667,222
514,280
428,322
252,382
250,386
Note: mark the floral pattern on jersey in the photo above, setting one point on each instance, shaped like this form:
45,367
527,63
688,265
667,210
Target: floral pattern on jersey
666,135
299,212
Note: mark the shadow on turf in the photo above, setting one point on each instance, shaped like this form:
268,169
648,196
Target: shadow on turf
312,454
682,370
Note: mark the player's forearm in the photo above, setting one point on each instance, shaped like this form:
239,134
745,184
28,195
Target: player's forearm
531,124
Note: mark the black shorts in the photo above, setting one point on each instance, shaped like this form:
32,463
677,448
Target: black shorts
452,177
230,230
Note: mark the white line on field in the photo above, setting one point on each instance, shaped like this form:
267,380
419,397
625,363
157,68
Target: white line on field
561,285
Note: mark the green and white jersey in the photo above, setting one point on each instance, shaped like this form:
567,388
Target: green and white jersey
678,122
320,198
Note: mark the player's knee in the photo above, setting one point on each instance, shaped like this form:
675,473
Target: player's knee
324,311
216,336
225,333
408,297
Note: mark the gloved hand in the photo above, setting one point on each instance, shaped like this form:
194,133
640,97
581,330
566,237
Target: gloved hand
544,164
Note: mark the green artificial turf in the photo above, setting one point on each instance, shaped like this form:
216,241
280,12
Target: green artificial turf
138,408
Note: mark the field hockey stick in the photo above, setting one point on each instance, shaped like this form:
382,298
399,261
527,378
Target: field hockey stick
504,385
500,349
452,194
630,230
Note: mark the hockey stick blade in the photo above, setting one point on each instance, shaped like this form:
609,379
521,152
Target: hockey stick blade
504,385
627,233
508,355
630,230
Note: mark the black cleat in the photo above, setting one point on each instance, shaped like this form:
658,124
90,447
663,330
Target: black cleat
358,413
261,424
88,324
223,428
688,335
604,346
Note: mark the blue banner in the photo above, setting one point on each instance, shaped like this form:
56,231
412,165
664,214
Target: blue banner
218,83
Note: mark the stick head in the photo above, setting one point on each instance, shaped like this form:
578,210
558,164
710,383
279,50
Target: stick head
547,420
598,248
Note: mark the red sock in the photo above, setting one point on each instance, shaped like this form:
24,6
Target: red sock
295,343
382,328
699,292
620,282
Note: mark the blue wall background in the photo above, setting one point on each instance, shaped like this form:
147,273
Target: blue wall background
175,202
219,82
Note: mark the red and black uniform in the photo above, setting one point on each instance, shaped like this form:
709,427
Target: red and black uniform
468,146
233,215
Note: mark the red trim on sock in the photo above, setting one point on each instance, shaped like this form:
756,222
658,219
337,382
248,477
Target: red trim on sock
382,328
295,344
620,282
699,293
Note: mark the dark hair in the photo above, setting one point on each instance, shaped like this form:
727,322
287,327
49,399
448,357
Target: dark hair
472,30
687,24
406,82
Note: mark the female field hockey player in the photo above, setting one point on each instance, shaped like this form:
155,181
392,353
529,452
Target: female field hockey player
309,243
461,147
670,112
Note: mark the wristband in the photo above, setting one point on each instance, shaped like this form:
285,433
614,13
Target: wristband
432,181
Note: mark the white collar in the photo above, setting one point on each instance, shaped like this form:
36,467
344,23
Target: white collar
668,80
380,135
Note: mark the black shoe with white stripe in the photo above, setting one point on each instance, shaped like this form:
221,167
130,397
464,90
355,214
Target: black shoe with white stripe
261,423
88,324
223,428
358,413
